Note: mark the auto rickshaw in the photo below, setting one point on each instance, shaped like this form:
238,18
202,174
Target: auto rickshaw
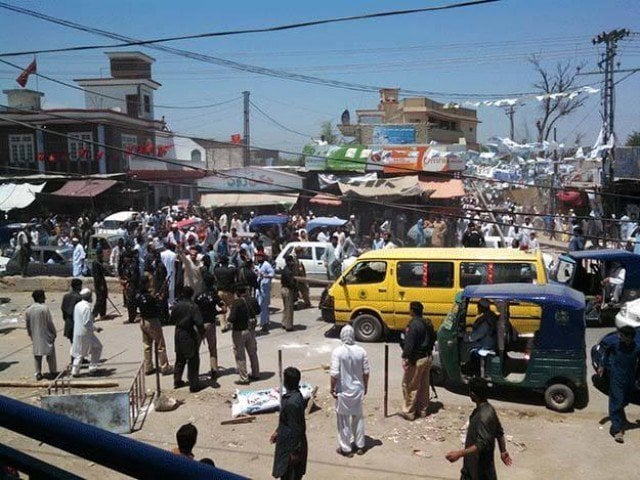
588,271
551,361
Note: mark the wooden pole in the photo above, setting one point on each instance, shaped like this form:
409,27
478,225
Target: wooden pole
280,371
386,380
155,351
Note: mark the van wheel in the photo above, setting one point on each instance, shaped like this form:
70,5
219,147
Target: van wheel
559,397
367,328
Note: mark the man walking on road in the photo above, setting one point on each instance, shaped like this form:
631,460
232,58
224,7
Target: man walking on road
85,341
150,312
100,286
189,329
621,362
289,290
42,332
79,256
265,277
67,306
349,383
484,429
226,277
242,319
417,346
210,304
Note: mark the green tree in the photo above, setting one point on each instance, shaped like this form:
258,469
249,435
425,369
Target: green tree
329,134
633,140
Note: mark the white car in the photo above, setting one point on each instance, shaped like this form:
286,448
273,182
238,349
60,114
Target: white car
629,314
111,225
310,256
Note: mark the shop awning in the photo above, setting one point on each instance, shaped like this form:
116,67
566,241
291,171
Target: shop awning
444,189
383,188
326,199
218,200
18,195
84,188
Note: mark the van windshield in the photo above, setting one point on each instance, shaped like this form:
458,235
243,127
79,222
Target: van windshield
367,272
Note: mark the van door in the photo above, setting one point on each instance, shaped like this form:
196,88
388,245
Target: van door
428,282
365,287
318,264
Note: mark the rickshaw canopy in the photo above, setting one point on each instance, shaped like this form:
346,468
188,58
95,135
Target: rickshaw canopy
629,260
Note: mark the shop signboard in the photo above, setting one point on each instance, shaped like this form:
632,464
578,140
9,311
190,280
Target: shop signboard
250,179
393,135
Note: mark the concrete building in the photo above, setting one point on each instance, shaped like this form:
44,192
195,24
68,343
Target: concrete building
415,120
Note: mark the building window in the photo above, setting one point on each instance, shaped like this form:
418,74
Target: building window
21,150
147,104
80,146
133,105
129,141
471,129
196,156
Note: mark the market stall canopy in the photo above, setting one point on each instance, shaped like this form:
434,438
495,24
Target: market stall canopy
218,200
267,221
326,199
84,188
320,222
13,195
444,189
386,188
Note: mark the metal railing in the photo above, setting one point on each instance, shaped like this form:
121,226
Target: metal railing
119,453
137,395
61,384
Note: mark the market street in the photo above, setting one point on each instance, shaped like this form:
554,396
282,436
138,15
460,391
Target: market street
538,439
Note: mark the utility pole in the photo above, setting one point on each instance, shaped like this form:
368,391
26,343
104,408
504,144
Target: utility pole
246,153
510,112
606,64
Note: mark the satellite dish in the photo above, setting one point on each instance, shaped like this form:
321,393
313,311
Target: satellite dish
346,117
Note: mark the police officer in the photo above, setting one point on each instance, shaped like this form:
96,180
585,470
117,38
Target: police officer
210,304
189,329
150,307
130,281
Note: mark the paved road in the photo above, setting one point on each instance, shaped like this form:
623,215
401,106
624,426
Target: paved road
544,444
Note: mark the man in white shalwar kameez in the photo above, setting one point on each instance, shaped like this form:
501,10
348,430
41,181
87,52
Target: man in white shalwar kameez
79,256
85,342
349,382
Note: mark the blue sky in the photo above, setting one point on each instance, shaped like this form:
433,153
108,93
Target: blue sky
481,50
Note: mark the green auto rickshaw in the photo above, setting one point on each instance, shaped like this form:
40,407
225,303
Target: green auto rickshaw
551,361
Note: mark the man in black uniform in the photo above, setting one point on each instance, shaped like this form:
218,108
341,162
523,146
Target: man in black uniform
99,285
189,328
417,346
290,458
226,278
289,292
150,311
473,237
130,280
242,318
68,304
247,278
210,304
483,431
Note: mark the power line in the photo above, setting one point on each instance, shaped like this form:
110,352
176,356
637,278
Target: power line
447,175
104,95
301,190
275,122
241,66
277,28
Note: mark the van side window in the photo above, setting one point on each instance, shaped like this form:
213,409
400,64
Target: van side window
482,273
425,274
367,272
305,254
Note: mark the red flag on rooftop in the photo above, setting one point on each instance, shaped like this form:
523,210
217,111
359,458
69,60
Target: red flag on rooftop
236,139
24,76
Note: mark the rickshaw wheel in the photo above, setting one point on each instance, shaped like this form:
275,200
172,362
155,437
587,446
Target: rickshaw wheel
559,397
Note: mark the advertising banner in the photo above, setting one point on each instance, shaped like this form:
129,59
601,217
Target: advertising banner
250,179
393,135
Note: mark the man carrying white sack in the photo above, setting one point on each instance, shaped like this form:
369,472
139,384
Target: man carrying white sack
349,382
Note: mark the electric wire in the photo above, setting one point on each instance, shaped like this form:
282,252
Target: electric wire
276,122
224,33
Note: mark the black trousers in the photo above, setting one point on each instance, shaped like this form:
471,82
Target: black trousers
100,307
193,369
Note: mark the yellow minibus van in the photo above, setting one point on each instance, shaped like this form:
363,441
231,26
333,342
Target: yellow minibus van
375,291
